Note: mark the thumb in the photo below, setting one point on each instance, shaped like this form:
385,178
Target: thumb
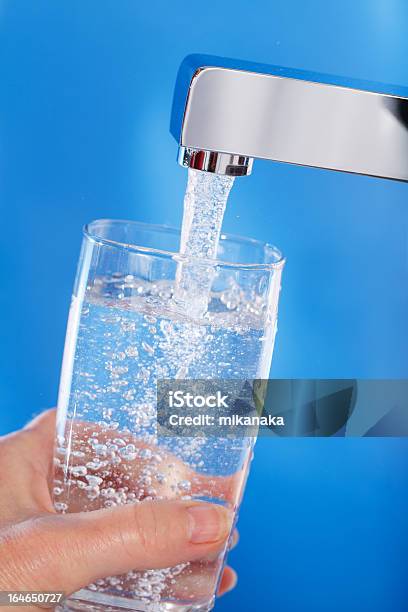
67,552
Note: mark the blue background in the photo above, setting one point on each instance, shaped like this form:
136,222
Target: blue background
86,90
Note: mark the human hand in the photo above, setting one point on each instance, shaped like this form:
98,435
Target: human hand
45,551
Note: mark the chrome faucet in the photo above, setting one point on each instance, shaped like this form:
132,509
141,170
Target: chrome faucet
227,113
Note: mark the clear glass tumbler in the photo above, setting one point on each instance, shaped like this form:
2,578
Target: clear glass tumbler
126,331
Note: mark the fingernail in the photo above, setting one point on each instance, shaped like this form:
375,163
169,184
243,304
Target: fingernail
234,539
208,523
233,584
223,590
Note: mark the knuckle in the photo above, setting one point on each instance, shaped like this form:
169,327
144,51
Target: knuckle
151,528
142,528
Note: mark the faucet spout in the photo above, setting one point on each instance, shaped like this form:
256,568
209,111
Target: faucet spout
224,116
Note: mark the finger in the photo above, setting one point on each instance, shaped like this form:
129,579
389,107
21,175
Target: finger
25,462
67,552
234,539
41,430
232,542
96,452
228,581
43,425
36,438
220,487
197,583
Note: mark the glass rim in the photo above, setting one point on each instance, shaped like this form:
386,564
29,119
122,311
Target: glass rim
176,256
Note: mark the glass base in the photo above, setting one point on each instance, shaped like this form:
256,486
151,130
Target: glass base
92,601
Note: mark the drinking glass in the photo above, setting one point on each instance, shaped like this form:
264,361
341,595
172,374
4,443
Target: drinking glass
126,331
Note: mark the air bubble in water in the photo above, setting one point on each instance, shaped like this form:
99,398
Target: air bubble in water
78,470
150,319
92,491
184,485
129,452
101,449
119,442
128,326
131,351
94,480
181,372
148,348
109,503
60,507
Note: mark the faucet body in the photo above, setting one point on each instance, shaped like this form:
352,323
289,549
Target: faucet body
225,115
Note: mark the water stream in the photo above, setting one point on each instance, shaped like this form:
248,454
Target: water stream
204,207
